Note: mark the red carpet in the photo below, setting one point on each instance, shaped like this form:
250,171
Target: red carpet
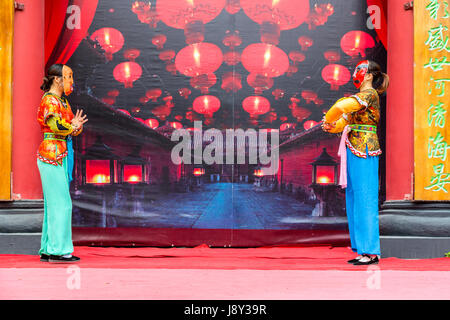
202,273
203,257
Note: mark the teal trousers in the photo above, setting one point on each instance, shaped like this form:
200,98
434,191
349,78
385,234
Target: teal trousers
57,224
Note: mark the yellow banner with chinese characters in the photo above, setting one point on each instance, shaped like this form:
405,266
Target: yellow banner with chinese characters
431,99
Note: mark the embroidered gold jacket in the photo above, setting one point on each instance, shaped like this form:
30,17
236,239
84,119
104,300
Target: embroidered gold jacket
363,109
55,117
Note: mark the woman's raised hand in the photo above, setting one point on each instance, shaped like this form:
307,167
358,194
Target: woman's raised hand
79,119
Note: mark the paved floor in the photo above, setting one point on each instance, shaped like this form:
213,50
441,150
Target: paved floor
225,206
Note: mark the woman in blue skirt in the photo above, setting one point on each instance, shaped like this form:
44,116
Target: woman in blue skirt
357,117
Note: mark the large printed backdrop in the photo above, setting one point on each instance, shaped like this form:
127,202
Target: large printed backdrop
144,69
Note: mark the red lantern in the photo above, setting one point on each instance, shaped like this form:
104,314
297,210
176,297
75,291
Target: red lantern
300,113
167,55
111,40
190,15
132,173
153,94
98,171
109,100
203,82
320,15
286,126
199,58
145,13
162,111
127,73
309,124
305,42
336,75
152,123
258,173
309,96
256,105
265,59
198,172
113,93
206,105
233,6
143,100
283,118
131,54
171,67
184,92
355,43
232,58
296,57
176,125
278,94
332,56
232,39
124,111
276,15
291,70
159,41
259,82
231,81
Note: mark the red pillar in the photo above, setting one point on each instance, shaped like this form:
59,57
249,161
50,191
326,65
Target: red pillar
28,70
400,102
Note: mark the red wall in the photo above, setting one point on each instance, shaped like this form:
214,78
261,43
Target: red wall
400,102
28,70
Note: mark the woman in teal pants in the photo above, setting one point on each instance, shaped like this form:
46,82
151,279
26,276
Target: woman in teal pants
55,163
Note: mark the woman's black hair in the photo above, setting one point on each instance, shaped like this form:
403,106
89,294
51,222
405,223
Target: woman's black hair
380,80
54,71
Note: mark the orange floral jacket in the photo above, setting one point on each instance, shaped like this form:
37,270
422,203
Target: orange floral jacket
53,148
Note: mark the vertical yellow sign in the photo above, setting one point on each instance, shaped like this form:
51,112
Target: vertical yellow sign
6,47
431,99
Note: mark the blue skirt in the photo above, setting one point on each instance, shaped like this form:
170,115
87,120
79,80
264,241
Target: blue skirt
361,197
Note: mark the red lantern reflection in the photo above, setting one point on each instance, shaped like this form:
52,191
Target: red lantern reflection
305,42
184,92
265,59
111,40
276,15
256,105
231,81
198,172
176,125
167,55
159,41
259,82
127,73
355,43
206,105
336,75
232,58
190,15
203,82
309,124
199,58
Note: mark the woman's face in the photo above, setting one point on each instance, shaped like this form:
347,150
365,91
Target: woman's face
67,80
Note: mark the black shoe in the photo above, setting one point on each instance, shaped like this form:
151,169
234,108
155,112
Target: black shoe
373,260
353,261
44,257
61,259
